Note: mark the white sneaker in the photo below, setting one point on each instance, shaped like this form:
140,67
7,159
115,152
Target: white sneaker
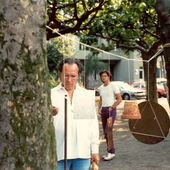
104,156
109,156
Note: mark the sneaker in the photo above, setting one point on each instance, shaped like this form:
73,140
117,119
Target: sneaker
104,156
109,156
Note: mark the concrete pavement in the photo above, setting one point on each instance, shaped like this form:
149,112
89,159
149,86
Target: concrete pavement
132,154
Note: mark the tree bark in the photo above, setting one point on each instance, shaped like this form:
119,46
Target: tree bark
162,8
150,78
27,139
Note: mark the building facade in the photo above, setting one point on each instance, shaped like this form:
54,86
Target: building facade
127,68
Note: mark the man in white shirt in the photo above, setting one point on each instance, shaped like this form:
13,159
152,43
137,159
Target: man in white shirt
82,130
110,97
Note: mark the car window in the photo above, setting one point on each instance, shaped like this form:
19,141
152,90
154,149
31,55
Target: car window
142,85
135,85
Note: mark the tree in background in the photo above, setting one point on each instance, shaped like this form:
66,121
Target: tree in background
163,11
71,16
130,25
93,66
53,58
27,138
57,49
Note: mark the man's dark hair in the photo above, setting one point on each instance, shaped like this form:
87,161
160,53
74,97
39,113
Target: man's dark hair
106,72
70,61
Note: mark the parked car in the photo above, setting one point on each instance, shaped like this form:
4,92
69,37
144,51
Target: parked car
141,85
128,92
161,81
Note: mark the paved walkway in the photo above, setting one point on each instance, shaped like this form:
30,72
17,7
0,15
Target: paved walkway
132,154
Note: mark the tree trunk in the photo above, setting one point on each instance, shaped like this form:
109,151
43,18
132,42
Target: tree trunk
150,78
162,8
27,139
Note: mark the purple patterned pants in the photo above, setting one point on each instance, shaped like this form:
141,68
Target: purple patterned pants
104,117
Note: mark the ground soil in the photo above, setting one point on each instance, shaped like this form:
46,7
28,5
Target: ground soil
132,154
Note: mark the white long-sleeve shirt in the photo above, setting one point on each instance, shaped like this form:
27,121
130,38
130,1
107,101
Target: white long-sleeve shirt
82,127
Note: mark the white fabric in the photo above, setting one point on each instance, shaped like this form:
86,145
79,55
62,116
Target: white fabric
108,94
82,134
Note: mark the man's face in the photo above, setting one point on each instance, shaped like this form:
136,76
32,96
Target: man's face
69,76
104,77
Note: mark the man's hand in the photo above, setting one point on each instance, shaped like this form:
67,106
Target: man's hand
55,111
110,109
95,158
99,111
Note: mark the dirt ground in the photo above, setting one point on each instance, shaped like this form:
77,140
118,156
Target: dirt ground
132,154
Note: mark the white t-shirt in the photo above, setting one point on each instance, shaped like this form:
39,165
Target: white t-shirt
108,94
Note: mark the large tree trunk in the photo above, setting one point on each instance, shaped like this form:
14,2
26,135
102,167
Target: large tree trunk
26,129
163,10
150,78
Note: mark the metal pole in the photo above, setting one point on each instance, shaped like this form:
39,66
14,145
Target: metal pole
65,147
